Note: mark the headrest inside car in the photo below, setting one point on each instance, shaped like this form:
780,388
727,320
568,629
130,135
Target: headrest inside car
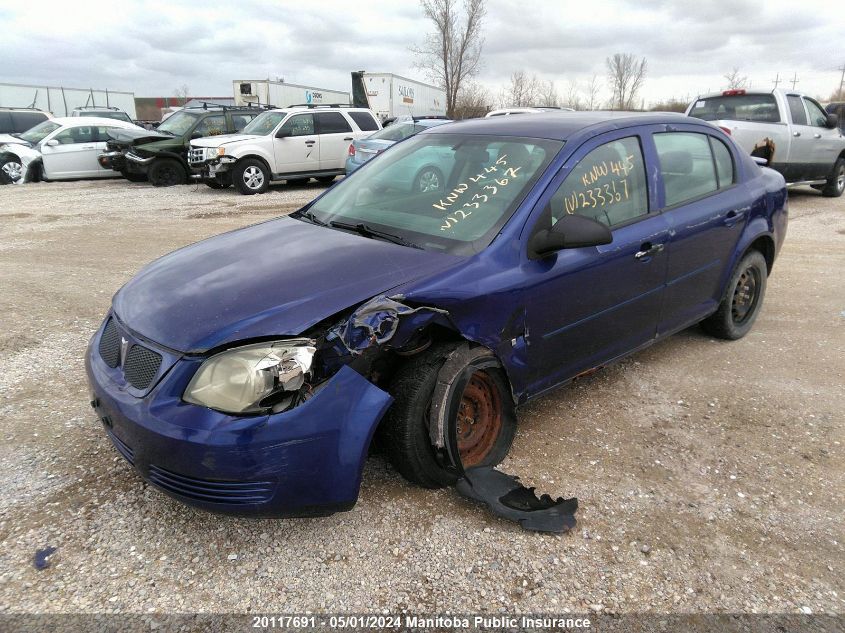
678,163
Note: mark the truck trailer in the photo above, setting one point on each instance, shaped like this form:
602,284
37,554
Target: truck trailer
281,94
391,96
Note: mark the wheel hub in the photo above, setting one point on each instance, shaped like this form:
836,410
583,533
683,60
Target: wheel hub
479,419
745,295
253,177
12,170
429,181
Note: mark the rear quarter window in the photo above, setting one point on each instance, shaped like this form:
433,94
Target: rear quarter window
364,120
760,108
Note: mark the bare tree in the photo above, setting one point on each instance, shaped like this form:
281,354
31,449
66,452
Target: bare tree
592,90
547,95
573,96
626,75
735,80
452,54
182,93
523,91
473,101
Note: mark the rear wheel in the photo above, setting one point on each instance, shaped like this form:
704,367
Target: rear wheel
251,176
132,176
742,300
166,172
480,412
836,182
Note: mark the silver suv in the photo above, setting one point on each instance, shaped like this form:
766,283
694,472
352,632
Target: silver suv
291,144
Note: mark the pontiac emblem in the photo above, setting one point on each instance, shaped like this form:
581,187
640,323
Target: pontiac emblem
124,347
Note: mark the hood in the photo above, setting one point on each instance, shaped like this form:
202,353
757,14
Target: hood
131,136
8,139
222,139
275,278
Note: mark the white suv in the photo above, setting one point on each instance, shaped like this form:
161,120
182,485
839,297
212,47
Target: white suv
292,144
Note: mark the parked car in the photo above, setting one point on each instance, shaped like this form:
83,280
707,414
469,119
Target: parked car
59,149
362,150
18,120
102,112
291,144
247,373
791,132
526,110
161,155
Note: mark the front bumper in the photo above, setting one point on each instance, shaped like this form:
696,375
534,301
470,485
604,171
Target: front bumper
303,462
209,168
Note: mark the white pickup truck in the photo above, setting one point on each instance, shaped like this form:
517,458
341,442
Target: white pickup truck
791,132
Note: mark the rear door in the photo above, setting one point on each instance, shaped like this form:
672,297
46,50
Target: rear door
298,150
703,204
827,142
75,155
335,136
589,305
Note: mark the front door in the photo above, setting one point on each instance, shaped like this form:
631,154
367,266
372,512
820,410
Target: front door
298,147
73,155
590,305
827,142
335,136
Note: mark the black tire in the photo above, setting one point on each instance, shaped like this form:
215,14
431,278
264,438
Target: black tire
132,176
836,182
404,434
325,180
219,182
742,300
428,179
166,172
251,176
8,167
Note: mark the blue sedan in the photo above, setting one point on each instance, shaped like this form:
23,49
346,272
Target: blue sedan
248,373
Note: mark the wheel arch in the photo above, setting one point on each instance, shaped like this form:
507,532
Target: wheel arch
257,157
765,244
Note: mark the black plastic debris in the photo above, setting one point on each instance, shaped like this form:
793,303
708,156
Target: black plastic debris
509,499
40,561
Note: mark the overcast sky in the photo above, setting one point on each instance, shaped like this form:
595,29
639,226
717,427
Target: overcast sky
150,48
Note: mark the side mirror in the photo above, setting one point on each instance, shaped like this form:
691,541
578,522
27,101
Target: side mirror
196,135
832,121
284,133
571,231
52,142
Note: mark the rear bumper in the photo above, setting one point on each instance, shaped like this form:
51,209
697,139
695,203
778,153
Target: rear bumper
112,160
303,462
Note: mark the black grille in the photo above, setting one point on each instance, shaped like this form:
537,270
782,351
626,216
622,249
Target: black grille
229,492
123,449
110,344
141,366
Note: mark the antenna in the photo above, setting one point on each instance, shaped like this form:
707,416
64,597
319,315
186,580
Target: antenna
842,81
794,80
776,80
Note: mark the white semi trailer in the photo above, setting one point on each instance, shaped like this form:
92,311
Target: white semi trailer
391,96
61,101
281,94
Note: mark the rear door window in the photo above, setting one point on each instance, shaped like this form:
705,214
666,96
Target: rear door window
607,185
240,121
364,120
332,123
211,126
796,110
687,166
761,108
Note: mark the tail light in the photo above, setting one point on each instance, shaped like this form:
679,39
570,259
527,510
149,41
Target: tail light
726,130
733,93
351,149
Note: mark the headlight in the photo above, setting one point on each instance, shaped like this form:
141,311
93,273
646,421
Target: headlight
221,151
252,378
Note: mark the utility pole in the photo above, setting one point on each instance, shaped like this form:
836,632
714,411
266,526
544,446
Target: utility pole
794,80
776,80
842,82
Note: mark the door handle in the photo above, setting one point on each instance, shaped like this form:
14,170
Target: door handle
733,217
310,142
817,135
648,249
89,147
796,134
348,138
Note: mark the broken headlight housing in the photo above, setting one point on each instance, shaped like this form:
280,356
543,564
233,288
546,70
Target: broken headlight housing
254,378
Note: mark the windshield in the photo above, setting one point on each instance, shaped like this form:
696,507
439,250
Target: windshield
761,108
36,134
264,123
445,192
178,123
396,132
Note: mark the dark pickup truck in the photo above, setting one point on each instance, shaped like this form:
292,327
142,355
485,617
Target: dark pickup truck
161,155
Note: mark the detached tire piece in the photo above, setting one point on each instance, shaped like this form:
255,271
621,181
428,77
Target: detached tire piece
166,172
133,177
481,413
216,183
836,183
251,176
742,300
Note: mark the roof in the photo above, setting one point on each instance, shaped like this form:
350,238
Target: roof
558,125
78,121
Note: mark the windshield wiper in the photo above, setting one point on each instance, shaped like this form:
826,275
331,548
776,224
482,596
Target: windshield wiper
368,231
308,215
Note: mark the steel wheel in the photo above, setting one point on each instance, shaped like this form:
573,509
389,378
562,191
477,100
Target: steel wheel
253,177
429,180
479,420
12,169
840,178
745,295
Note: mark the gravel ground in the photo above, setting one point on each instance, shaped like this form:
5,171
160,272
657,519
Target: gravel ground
710,474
